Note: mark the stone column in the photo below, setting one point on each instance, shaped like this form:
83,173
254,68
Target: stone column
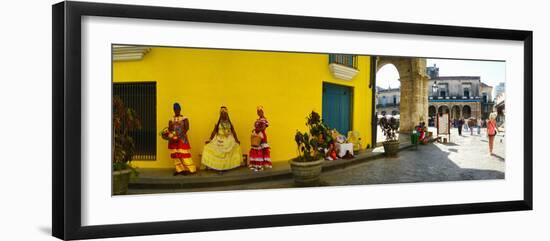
414,95
407,108
476,110
414,90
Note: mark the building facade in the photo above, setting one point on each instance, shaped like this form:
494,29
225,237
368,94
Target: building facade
500,88
288,86
487,100
499,108
460,96
387,101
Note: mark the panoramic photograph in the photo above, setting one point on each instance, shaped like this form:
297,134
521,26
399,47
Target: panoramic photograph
187,119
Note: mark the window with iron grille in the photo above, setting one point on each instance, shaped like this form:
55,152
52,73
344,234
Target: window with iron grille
142,97
343,59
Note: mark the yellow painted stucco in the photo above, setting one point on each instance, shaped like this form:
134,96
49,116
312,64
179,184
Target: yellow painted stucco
288,85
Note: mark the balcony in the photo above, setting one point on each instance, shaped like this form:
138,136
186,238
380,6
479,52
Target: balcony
387,105
343,66
129,53
455,98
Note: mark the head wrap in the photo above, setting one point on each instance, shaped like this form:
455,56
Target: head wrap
177,106
223,109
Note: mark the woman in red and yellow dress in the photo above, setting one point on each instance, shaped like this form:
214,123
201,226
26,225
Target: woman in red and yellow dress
178,143
259,155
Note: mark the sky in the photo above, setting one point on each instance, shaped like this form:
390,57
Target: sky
490,72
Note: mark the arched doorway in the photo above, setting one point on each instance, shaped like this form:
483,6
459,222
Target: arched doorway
413,104
387,92
443,110
455,112
431,115
466,112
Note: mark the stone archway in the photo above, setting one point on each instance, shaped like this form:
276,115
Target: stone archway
413,106
466,112
431,111
455,112
443,109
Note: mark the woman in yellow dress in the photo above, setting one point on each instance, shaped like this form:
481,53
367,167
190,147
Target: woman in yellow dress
222,152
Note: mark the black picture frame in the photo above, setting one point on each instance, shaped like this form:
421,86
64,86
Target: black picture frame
67,135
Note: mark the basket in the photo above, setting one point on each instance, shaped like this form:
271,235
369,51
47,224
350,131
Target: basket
165,134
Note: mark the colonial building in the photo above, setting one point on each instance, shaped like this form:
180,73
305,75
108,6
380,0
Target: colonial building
387,101
499,108
460,96
487,103
457,95
500,88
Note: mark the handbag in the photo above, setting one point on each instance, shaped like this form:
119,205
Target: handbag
491,129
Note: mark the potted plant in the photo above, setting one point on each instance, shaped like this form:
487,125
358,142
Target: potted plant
307,167
124,121
389,127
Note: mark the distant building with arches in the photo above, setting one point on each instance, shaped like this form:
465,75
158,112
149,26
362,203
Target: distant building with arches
387,101
460,96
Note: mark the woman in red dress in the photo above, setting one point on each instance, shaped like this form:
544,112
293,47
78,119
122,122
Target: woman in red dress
492,131
259,155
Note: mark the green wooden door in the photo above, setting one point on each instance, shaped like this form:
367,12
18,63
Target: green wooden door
337,107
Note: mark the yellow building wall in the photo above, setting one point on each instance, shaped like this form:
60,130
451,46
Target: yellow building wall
288,85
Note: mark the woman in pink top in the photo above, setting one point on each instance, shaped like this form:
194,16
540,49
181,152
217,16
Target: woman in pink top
492,130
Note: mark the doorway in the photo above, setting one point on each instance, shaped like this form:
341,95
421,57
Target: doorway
337,107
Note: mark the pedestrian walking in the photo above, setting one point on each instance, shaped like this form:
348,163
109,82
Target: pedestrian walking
492,131
460,124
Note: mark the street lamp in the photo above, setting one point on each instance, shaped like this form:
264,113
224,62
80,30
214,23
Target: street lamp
434,88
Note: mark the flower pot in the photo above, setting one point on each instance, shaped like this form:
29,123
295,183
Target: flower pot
306,174
120,181
391,148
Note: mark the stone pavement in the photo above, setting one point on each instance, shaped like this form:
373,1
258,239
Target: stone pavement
464,158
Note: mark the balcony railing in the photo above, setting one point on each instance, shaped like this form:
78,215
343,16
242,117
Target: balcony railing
456,97
343,59
387,105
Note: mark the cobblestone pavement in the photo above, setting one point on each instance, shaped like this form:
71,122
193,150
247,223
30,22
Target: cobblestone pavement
464,158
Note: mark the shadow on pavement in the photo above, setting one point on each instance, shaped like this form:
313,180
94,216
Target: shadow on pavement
499,157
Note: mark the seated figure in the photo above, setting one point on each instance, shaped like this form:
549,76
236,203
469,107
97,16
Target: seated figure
222,152
422,133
